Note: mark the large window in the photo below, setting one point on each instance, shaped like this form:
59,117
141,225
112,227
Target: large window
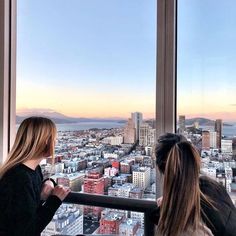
90,66
206,83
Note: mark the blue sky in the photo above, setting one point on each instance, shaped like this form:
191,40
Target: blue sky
87,50
206,58
96,58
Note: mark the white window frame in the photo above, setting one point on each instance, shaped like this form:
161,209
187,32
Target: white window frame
7,75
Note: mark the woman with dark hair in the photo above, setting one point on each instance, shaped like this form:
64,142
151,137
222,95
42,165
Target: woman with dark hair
191,205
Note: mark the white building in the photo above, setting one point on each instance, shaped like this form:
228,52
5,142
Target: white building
148,151
139,216
67,220
213,139
228,178
142,177
110,171
147,135
111,155
129,227
121,191
115,141
227,146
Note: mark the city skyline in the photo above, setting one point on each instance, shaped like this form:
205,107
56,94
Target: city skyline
99,60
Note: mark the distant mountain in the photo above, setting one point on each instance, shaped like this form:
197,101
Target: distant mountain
202,122
41,112
59,118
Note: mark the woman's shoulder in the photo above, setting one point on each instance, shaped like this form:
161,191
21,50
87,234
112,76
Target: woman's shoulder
214,190
211,186
17,175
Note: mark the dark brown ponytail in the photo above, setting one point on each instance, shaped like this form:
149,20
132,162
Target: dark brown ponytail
180,209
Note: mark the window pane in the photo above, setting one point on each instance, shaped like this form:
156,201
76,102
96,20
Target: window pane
90,66
206,83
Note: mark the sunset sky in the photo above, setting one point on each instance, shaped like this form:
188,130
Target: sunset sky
97,58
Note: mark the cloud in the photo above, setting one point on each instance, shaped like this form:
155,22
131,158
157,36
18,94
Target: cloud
233,105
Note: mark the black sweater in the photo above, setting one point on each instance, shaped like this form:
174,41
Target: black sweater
22,213
222,219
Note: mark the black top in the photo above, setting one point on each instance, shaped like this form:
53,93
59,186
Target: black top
22,213
222,219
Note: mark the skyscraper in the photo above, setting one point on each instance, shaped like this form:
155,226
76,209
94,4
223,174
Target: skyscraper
130,132
181,124
137,118
234,148
206,140
218,129
213,139
147,135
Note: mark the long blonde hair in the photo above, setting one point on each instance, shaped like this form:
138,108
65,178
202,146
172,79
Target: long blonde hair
34,139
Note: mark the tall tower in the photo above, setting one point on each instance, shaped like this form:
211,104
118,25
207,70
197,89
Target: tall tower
181,124
234,148
218,130
213,139
137,118
130,132
205,140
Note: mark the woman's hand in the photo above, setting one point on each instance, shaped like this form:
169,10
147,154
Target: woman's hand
47,189
159,201
61,192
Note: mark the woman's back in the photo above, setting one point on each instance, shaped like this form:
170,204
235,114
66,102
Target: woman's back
19,196
222,219
187,199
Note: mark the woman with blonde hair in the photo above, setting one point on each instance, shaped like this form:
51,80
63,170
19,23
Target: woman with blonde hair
191,204
22,211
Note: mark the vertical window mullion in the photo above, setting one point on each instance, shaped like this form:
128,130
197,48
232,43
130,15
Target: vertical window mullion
166,70
7,73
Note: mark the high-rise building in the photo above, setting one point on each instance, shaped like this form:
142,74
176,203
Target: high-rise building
218,129
137,118
130,132
93,183
213,139
234,148
227,146
142,177
181,124
147,135
205,140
